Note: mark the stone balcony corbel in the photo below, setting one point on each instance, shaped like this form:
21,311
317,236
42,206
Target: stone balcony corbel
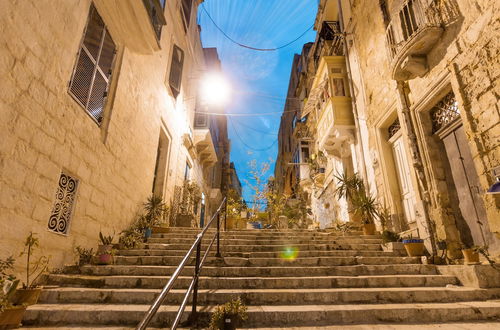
204,146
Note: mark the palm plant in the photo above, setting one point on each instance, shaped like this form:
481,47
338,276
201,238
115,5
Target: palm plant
366,206
348,186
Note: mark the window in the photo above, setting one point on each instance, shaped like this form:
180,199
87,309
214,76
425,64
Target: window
176,64
90,81
63,206
155,13
186,13
338,87
187,172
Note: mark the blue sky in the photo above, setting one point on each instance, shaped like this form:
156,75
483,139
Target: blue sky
259,80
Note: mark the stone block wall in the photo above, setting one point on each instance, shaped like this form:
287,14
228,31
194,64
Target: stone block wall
44,131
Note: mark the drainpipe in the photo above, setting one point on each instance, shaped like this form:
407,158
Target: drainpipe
351,91
403,90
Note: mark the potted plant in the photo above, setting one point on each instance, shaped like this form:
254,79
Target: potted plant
155,209
414,246
367,208
84,255
105,250
228,316
10,315
30,292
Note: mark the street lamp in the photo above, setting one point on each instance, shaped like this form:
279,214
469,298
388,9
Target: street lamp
214,89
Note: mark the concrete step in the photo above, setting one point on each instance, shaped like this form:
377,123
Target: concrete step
269,241
245,262
272,247
466,325
296,271
277,254
271,296
157,282
276,315
265,235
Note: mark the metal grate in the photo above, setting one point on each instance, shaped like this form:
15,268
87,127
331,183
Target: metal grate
89,84
63,207
445,112
394,128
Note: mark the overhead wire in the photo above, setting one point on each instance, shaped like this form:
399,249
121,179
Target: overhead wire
257,130
245,144
251,47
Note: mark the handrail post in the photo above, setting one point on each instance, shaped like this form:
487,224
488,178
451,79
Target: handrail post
194,315
218,255
225,214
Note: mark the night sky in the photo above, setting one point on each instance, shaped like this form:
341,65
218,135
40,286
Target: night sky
259,80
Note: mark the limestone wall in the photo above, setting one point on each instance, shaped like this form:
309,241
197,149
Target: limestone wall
465,60
43,130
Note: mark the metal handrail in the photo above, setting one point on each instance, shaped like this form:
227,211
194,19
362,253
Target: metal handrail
193,287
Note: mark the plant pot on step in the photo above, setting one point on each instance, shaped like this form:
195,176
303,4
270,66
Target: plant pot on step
414,247
148,233
11,317
231,322
27,296
104,254
368,228
470,256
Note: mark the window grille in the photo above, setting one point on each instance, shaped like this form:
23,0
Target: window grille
90,81
63,206
186,13
445,112
200,120
175,77
394,128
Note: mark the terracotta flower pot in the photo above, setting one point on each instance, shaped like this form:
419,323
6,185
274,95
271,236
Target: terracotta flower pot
11,317
104,256
368,228
470,256
26,296
414,247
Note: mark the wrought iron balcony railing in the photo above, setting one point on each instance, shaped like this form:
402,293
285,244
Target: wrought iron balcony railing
412,33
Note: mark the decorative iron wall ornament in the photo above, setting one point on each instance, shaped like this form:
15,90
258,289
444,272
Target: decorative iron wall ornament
394,128
63,207
445,112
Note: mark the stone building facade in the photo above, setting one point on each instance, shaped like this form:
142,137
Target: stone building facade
97,104
422,77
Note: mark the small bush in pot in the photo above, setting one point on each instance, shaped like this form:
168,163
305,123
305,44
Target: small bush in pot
367,208
414,246
35,267
228,316
105,250
10,315
84,255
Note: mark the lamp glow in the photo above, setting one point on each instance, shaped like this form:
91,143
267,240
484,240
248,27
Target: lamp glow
215,90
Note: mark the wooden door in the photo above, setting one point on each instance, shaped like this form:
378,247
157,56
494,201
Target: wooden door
408,199
467,186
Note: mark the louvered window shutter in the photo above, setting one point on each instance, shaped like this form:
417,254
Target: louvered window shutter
175,77
186,12
90,81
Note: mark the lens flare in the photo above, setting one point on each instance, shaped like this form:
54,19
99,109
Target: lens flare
289,253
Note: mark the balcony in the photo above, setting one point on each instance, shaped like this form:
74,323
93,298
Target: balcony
329,42
135,24
412,33
204,139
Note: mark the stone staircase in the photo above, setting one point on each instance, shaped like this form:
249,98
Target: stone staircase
287,278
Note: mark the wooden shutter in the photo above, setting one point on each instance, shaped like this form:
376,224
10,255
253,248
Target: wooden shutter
175,77
186,12
90,81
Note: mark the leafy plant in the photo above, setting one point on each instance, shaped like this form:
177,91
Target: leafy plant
343,227
348,186
390,236
33,268
84,255
366,206
384,216
106,240
234,309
